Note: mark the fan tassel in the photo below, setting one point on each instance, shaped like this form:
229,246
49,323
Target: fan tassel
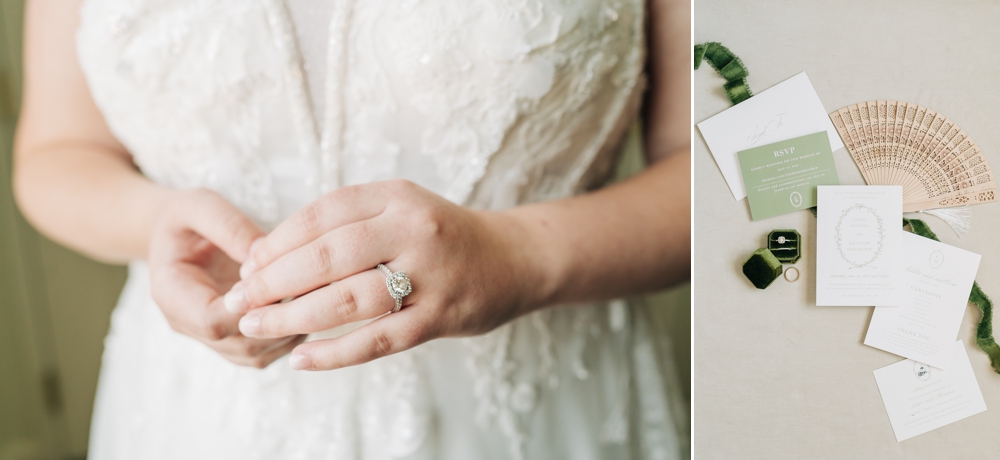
959,219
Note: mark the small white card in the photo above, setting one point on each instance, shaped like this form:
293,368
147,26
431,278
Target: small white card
858,230
937,280
786,110
920,398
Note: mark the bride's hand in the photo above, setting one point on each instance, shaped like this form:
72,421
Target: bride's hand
195,248
469,270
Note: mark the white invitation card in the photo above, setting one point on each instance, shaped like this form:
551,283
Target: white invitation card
937,280
786,110
920,398
858,230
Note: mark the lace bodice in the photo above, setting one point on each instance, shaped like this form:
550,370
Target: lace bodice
489,103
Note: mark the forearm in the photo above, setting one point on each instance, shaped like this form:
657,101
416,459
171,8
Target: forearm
88,198
626,239
72,179
668,103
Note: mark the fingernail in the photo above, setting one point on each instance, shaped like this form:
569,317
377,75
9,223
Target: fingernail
236,299
300,361
250,325
248,268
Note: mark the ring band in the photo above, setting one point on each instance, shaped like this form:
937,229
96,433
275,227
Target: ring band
398,284
790,279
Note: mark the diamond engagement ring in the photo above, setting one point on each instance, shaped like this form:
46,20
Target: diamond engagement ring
398,284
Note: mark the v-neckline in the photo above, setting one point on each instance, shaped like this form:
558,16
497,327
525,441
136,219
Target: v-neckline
322,147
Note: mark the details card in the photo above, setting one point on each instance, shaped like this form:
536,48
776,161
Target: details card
920,398
782,177
786,110
937,280
858,231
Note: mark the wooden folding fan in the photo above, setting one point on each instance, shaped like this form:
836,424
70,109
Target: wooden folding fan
897,143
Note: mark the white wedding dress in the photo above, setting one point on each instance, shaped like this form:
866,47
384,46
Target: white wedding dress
489,103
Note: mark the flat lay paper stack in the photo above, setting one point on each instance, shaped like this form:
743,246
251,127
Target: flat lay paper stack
898,143
865,258
787,110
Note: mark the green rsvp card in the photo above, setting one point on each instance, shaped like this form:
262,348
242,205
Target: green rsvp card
782,177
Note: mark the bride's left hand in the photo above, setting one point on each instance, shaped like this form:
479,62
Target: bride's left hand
471,271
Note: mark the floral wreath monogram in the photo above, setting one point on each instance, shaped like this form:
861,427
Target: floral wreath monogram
837,238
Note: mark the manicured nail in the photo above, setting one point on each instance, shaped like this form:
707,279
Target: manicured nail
248,268
250,325
236,299
300,361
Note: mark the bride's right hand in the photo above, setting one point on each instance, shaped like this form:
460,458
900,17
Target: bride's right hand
195,250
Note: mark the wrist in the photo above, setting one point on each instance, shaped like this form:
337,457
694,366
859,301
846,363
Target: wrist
162,204
535,259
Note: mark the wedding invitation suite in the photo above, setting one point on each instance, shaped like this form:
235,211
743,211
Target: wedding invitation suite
920,398
858,230
782,177
937,281
786,110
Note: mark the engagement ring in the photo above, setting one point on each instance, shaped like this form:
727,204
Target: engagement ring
398,284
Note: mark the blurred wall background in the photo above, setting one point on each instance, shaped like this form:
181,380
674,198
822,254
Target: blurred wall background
55,306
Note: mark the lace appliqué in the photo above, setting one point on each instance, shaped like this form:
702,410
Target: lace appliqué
394,414
149,61
472,76
491,367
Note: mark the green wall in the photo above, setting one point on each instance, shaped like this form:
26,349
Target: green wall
54,307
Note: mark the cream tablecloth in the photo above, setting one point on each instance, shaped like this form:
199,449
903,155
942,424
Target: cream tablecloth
776,377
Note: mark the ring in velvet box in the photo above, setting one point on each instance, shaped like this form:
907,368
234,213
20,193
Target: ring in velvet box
785,244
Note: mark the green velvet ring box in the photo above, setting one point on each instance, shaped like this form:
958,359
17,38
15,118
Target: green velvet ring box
762,268
785,244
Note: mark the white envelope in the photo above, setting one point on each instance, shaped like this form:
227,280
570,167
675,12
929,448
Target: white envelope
786,110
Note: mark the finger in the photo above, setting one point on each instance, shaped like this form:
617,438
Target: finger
240,345
191,302
334,256
340,207
273,355
282,342
218,221
263,360
356,298
389,334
